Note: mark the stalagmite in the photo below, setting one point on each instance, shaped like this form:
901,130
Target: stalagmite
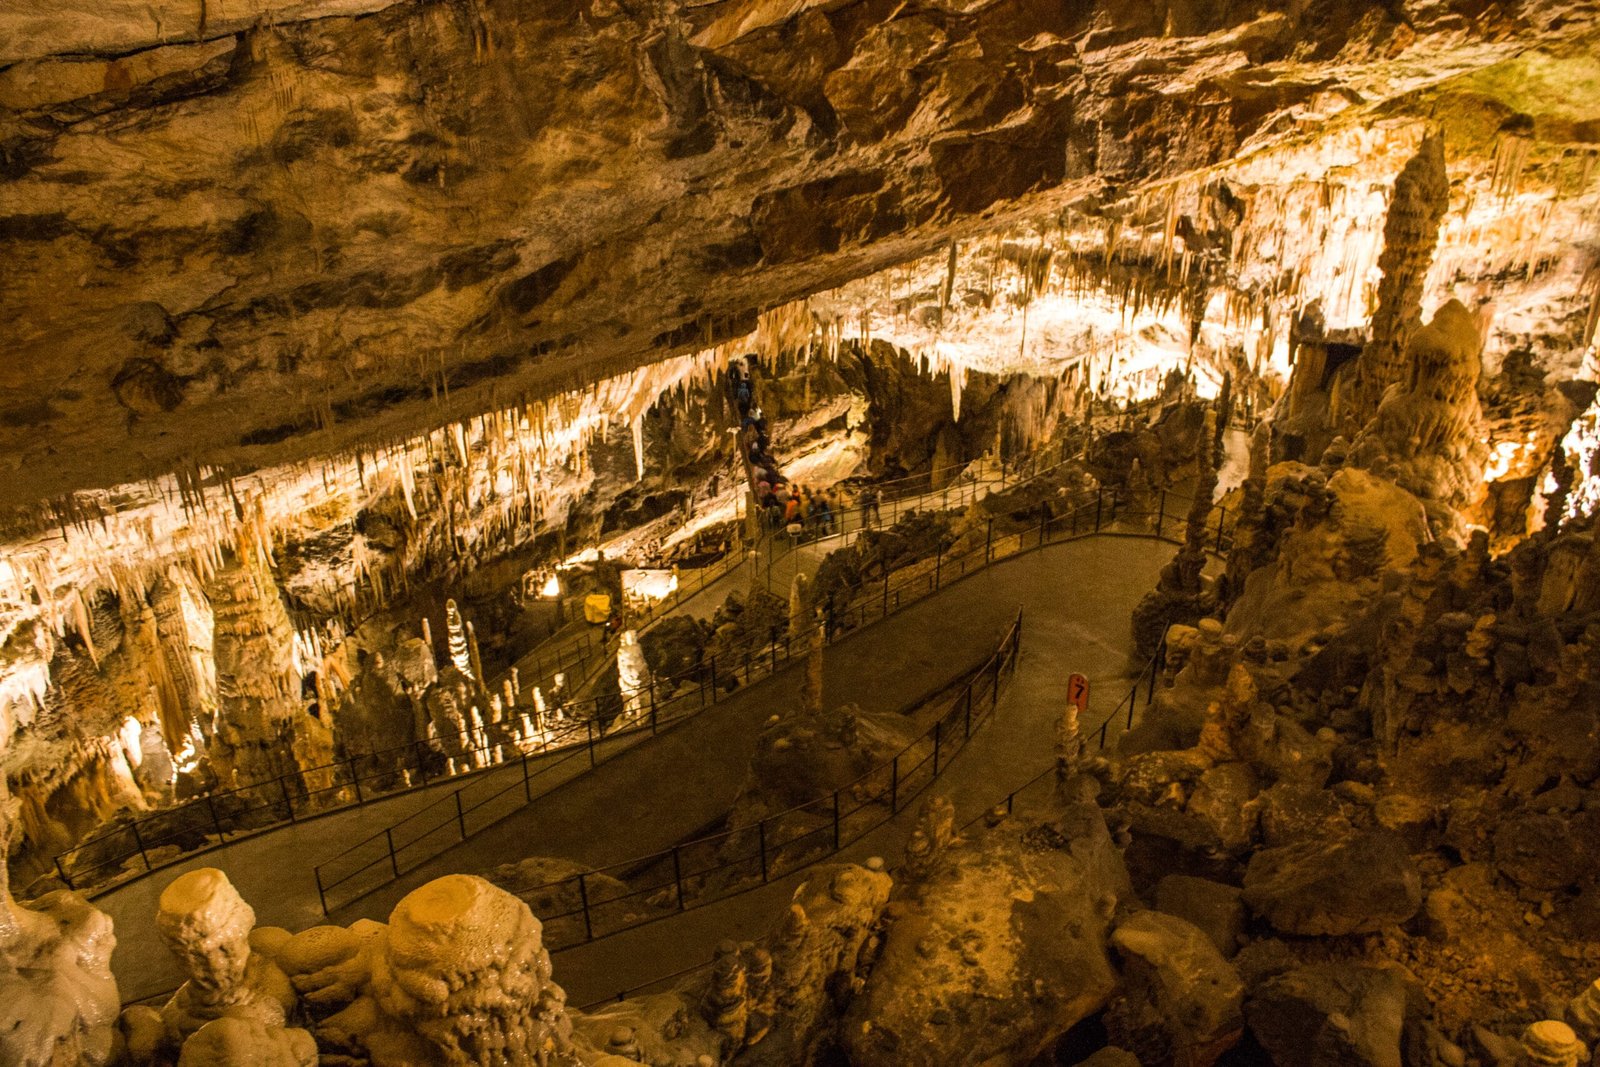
474,656
1410,234
206,924
464,964
58,1000
633,676
460,653
1069,742
1549,1043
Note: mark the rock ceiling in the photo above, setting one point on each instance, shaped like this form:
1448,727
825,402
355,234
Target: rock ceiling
246,233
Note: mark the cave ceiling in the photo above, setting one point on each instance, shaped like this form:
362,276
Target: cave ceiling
241,234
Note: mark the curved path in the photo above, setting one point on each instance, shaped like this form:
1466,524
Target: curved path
1076,598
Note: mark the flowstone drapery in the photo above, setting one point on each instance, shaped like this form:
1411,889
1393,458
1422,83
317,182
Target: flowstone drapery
58,1000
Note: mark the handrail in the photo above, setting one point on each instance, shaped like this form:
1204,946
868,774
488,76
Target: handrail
256,809
247,810
823,823
1148,673
892,598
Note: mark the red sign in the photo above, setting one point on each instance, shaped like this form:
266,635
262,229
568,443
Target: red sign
1078,692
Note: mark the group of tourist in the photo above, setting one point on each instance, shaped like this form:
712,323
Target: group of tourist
784,505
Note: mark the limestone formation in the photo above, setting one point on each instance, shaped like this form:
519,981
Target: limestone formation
1549,1043
58,1001
206,925
463,963
1583,1014
1179,1000
725,1006
1429,430
1410,234
1331,1015
232,1041
935,831
1000,950
1357,883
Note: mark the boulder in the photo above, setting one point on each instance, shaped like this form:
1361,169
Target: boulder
1001,950
1216,909
1356,883
1224,799
1331,1015
1543,852
1180,1000
1292,812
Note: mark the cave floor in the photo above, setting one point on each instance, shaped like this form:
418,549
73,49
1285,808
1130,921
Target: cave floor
1065,630
696,769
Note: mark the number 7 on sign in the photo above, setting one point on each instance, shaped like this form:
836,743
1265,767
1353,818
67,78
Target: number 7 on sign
1078,692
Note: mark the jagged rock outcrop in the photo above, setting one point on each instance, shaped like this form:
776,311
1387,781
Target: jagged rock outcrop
1410,233
999,951
161,240
1179,1000
1325,1015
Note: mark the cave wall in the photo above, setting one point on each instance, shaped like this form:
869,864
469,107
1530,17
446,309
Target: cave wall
260,231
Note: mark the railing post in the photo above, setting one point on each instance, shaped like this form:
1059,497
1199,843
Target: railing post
761,838
394,864
1099,501
938,565
583,899
1161,512
936,733
138,840
836,820
677,875
886,590
322,896
1222,516
62,872
355,779
283,787
652,704
527,785
588,726
461,817
211,806
988,541
894,786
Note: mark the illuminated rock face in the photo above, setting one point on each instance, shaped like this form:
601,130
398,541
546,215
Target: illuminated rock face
207,925
58,1001
464,963
274,229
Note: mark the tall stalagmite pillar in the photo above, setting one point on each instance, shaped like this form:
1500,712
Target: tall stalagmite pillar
261,734
1410,233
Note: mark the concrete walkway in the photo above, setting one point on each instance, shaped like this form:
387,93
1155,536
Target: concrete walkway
1076,597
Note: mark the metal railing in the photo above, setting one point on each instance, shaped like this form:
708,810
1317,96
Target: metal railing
691,874
226,815
1098,737
359,867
